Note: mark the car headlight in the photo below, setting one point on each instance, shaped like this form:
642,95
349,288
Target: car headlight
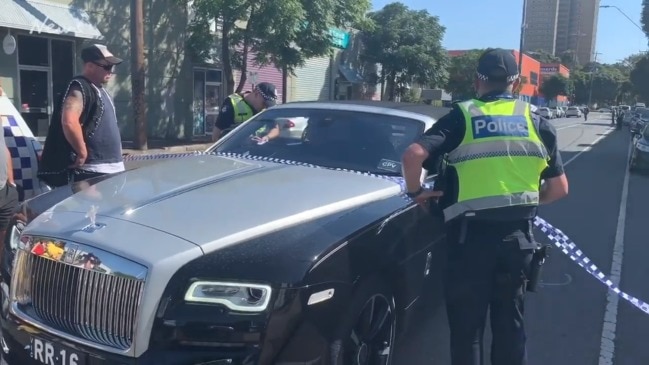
14,236
235,296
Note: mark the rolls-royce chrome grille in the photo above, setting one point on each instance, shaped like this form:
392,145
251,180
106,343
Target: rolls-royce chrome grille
83,292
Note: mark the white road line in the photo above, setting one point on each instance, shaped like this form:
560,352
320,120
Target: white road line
589,147
570,126
607,343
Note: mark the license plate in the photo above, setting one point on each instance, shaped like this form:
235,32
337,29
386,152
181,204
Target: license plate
51,353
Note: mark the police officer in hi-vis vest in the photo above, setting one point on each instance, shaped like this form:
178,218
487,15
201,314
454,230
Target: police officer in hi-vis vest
496,153
238,108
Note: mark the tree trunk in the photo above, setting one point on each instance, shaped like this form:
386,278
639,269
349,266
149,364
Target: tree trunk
392,86
138,73
225,55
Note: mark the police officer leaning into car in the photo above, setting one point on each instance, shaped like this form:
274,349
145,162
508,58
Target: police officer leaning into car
237,108
496,152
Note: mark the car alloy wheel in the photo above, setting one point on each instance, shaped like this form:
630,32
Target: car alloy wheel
371,341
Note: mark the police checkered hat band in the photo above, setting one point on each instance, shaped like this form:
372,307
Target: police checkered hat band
265,95
511,78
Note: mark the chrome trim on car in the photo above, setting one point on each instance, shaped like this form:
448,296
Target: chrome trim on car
78,292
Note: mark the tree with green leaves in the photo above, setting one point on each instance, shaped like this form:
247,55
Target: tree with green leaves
408,46
554,86
606,84
461,74
284,33
640,78
644,19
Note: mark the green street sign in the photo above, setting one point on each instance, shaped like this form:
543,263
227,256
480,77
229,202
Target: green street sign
339,38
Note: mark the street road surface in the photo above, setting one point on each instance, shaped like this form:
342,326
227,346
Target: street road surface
572,320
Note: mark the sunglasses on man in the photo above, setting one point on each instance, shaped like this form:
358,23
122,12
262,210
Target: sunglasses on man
108,68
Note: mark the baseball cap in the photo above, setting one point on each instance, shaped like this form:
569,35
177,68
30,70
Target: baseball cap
98,52
268,92
497,65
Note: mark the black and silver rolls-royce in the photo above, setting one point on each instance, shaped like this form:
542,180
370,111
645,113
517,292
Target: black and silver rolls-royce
299,249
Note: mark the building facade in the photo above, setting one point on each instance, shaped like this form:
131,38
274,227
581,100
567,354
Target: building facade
562,26
541,31
47,56
339,75
531,79
183,95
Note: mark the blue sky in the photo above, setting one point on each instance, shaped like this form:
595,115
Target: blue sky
486,23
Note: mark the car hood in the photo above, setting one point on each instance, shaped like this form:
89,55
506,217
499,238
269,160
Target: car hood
213,201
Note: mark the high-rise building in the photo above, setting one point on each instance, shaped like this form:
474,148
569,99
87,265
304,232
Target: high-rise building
541,21
560,26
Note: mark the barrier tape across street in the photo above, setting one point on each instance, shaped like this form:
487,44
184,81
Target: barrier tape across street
558,238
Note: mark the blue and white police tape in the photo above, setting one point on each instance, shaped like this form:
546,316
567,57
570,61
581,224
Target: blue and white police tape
555,235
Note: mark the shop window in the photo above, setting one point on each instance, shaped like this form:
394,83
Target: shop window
33,51
534,78
213,76
208,97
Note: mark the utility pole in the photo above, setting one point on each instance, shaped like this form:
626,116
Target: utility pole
137,73
592,73
522,44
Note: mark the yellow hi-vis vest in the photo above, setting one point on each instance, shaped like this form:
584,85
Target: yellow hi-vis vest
242,111
499,161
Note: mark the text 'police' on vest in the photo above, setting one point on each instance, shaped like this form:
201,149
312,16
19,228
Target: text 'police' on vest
499,126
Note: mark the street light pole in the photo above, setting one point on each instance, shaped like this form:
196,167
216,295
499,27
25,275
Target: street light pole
522,44
623,13
592,74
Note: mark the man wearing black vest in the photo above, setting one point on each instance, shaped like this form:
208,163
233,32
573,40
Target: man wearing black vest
84,139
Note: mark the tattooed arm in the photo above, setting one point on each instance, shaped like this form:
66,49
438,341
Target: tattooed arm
71,122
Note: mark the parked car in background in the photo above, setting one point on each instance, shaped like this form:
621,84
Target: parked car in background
640,120
558,112
545,112
573,111
639,159
258,253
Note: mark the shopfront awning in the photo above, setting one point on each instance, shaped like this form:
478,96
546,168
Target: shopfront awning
350,74
39,16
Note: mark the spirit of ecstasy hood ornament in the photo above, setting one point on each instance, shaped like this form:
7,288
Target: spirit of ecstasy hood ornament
92,215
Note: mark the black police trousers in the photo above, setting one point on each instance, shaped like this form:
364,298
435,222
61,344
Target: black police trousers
487,273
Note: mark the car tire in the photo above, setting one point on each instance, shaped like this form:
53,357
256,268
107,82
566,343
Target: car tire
377,344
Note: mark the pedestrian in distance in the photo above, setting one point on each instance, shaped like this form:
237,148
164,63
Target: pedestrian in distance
84,139
496,154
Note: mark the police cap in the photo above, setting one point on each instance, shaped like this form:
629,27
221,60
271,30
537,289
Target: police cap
497,65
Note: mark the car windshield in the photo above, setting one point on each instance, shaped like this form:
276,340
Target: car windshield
334,138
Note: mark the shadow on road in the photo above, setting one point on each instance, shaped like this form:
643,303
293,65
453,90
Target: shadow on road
599,124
